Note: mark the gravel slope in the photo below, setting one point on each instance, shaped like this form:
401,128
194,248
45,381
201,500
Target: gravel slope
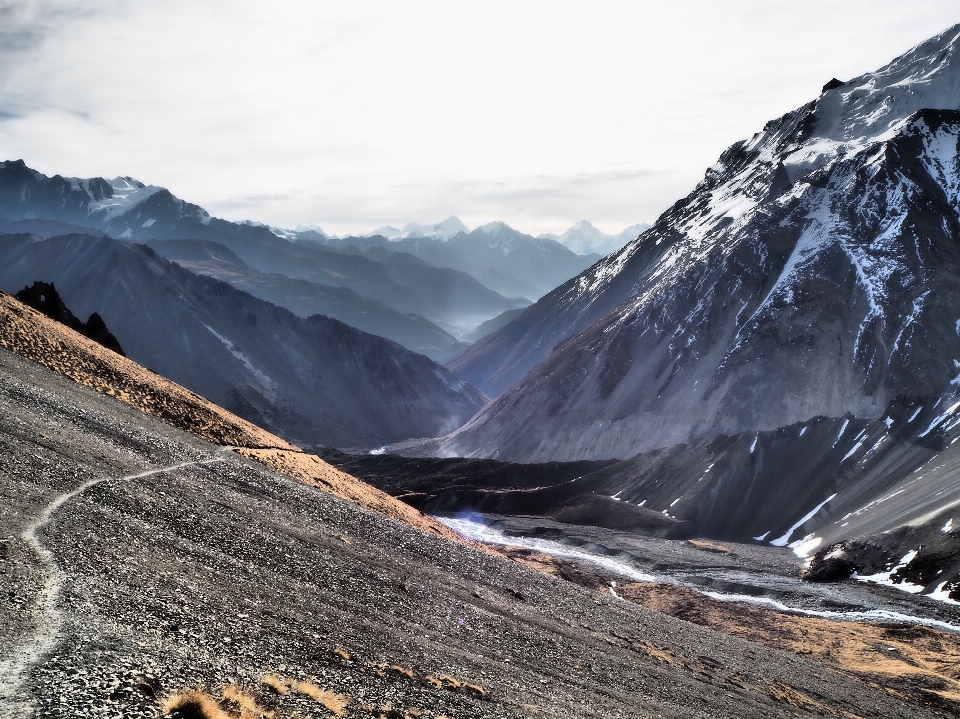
225,571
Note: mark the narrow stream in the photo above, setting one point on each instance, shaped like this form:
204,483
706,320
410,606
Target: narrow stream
872,606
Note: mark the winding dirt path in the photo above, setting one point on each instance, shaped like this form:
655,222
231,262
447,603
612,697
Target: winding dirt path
14,702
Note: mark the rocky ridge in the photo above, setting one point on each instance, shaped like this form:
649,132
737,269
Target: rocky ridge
823,246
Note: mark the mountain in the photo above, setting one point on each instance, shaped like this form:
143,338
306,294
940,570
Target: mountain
127,209
813,272
584,239
45,228
507,261
442,230
501,320
305,298
313,381
451,298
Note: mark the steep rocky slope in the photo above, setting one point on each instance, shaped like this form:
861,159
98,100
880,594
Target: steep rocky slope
306,298
34,337
313,381
141,561
826,246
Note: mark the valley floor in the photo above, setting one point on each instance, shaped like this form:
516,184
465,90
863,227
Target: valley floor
907,643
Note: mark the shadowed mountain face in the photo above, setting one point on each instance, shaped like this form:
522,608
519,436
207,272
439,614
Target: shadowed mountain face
127,209
813,272
306,298
312,381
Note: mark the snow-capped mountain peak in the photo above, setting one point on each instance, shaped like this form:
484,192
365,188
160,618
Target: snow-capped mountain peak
450,227
583,238
824,246
874,105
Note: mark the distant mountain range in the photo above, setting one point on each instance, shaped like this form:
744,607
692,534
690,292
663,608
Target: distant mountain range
582,238
127,209
313,381
447,276
449,228
510,262
310,298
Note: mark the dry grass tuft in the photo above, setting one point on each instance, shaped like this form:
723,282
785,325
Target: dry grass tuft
276,684
193,704
342,653
450,681
334,702
710,546
437,684
402,670
243,704
475,689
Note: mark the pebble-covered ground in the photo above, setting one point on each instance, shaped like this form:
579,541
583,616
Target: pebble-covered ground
222,574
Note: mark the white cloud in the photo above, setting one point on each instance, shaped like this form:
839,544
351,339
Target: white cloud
355,115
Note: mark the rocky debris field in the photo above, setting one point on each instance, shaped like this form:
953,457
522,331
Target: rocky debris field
272,595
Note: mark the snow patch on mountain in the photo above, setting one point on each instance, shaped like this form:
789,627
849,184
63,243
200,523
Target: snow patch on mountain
127,194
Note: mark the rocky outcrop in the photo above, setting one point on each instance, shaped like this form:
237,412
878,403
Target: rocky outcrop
43,296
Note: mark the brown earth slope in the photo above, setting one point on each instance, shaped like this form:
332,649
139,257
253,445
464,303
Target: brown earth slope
912,662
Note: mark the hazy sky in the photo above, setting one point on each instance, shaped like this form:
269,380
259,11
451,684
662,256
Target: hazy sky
355,115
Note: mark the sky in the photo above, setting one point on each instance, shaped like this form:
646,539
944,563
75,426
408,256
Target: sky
354,115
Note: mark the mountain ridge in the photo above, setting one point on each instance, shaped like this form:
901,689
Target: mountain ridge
313,381
792,257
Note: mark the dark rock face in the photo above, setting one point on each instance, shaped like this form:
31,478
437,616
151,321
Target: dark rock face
43,296
829,569
824,247
311,381
923,557
832,85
